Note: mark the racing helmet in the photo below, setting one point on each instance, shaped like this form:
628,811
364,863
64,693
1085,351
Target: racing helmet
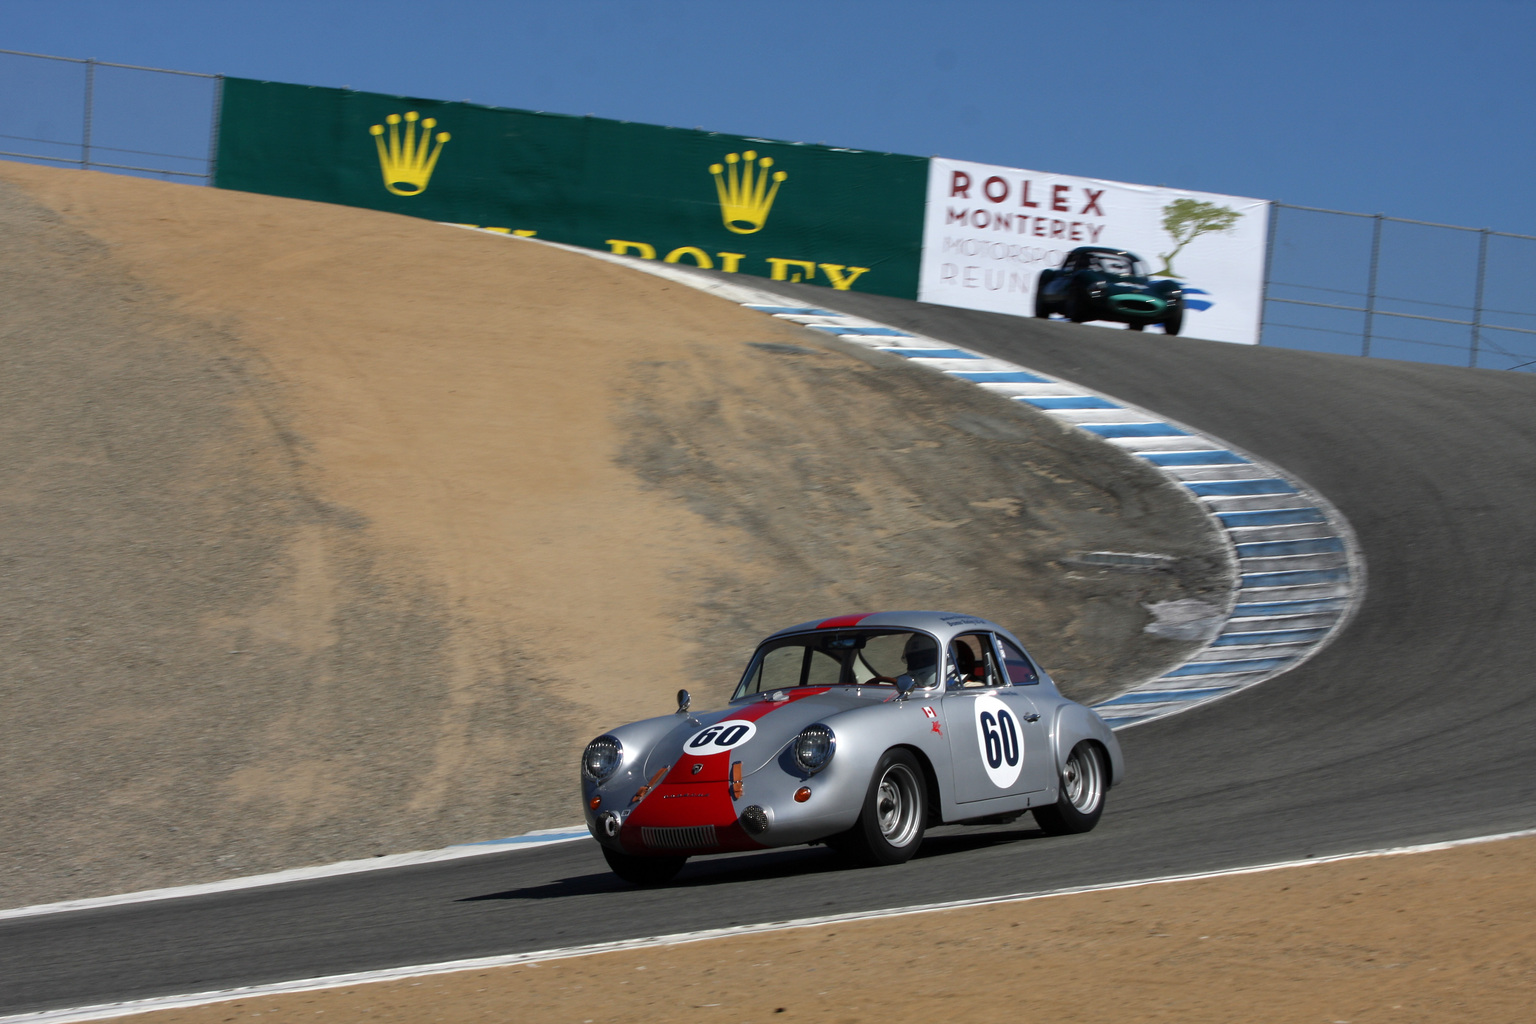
921,656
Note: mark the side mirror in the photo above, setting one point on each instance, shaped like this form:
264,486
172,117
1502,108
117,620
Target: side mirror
904,685
683,702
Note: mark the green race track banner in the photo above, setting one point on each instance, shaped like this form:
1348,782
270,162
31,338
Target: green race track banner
842,218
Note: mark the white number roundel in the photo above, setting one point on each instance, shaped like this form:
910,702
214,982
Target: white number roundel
1001,741
719,737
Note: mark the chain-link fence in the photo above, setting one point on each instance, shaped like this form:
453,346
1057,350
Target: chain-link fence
149,122
1403,289
1334,281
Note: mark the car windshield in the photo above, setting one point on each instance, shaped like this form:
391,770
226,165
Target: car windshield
1113,263
844,657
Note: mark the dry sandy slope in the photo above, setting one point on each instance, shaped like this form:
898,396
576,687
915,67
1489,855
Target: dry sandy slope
329,532
1431,937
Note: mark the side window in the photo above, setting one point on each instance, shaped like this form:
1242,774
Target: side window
1016,664
972,663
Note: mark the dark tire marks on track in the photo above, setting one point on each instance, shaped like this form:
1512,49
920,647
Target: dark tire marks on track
1414,726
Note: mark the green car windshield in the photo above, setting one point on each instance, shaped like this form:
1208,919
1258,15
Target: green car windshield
844,657
1113,263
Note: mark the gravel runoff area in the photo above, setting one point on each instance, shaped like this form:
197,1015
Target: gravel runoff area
330,533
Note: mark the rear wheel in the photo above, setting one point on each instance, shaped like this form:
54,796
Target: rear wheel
1135,327
890,827
1081,800
1042,308
643,870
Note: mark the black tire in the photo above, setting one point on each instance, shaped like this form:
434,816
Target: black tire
1042,308
1079,310
1173,323
645,871
890,827
1135,327
1084,781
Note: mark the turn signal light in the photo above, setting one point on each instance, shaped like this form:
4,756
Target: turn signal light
802,794
594,802
736,781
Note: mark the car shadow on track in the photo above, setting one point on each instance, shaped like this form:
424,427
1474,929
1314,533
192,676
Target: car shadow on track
761,867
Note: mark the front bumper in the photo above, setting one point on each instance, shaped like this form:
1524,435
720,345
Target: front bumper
690,818
1136,306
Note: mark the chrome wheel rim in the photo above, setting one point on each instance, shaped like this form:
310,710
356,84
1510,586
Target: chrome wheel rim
896,805
1082,780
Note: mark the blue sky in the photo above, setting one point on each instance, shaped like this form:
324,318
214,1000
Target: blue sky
1421,110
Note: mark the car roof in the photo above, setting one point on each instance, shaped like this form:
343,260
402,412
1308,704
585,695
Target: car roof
1105,248
944,625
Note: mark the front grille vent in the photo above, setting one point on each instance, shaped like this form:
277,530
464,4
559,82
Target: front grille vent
692,837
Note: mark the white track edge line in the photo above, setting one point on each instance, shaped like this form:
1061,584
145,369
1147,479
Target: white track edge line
107,1011
527,841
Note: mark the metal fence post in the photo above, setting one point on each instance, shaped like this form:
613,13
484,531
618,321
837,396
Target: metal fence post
85,135
1370,288
213,128
1269,263
1477,302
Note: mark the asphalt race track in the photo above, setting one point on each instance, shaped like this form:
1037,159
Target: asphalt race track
1418,724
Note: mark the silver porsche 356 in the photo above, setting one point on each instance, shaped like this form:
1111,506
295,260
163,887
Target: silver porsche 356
858,732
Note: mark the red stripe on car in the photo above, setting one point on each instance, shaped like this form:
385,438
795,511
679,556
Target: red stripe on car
843,621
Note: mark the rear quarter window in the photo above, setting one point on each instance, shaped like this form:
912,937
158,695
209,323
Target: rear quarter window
1017,665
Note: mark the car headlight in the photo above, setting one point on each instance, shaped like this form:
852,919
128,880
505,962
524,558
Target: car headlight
601,758
814,747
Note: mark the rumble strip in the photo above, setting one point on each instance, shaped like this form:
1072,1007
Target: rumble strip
1300,572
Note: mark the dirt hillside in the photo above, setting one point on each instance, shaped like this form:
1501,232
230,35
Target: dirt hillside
330,533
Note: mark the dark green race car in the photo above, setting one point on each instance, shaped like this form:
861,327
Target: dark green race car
1095,283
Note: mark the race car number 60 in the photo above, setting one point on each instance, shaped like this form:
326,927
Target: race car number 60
721,736
1002,747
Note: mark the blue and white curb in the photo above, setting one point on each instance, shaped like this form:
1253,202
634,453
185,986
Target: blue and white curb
1300,573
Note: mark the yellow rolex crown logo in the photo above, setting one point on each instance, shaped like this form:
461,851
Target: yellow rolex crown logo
745,196
404,159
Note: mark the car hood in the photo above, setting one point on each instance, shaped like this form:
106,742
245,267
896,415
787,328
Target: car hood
1127,284
770,725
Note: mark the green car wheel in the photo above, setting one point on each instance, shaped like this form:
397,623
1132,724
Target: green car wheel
1174,321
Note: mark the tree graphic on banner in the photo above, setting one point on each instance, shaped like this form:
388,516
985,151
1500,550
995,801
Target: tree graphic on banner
1187,219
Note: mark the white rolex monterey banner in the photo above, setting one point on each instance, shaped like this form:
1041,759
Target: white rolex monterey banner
988,231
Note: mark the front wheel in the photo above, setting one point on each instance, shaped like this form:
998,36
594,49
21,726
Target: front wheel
1079,310
890,827
644,871
1174,321
1081,800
